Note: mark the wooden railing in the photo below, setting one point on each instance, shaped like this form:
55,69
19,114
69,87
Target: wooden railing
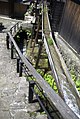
64,111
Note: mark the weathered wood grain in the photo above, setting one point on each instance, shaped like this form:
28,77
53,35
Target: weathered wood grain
70,26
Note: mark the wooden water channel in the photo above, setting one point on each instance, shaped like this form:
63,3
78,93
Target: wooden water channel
59,107
57,63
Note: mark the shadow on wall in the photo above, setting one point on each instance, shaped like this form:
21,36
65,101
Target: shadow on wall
1,27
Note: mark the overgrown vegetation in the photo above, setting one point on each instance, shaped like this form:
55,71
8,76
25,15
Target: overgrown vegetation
30,10
22,34
75,79
47,77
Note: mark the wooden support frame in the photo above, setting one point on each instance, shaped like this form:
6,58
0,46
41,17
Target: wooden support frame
64,110
60,105
36,37
39,53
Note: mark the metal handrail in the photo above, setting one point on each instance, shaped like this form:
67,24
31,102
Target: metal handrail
14,29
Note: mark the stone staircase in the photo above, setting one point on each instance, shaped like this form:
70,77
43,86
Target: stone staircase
14,89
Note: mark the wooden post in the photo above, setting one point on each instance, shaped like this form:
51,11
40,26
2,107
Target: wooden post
36,37
29,45
39,52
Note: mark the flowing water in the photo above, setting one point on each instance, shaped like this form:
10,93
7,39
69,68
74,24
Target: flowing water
70,98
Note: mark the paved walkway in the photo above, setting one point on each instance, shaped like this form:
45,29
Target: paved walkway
14,89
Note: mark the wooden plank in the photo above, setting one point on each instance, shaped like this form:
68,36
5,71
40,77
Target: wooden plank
60,66
70,27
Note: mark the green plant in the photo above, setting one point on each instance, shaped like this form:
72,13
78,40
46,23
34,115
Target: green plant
28,32
40,93
51,81
74,78
29,78
50,42
78,84
22,33
47,77
40,72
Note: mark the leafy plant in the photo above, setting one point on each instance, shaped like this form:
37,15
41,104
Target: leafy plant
29,33
51,81
47,77
38,92
74,78
26,32
40,72
78,84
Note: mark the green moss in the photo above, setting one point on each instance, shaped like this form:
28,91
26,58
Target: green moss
50,42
